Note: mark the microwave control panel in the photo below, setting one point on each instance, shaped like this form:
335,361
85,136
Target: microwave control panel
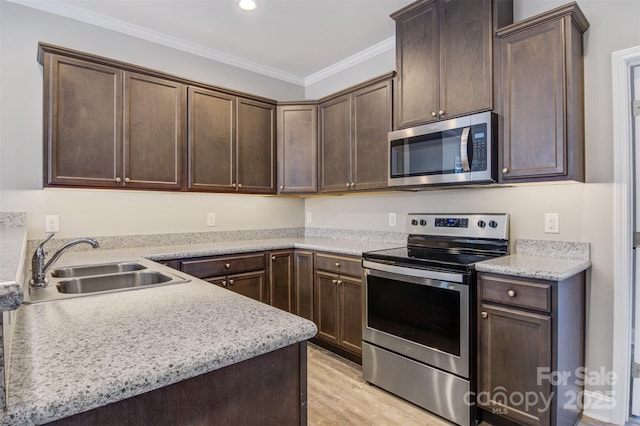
479,141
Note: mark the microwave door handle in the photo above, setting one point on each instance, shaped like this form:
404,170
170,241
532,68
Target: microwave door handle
464,156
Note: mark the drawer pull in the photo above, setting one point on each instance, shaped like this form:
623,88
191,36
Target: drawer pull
230,282
337,264
334,281
339,282
227,265
224,283
273,258
511,293
484,314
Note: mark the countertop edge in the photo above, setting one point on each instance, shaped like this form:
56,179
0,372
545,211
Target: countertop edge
528,266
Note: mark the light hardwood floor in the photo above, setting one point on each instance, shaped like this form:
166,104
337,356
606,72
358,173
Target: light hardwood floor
338,396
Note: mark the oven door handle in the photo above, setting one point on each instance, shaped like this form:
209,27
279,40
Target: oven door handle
414,272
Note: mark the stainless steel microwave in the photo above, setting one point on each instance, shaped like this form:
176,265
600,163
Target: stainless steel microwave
457,151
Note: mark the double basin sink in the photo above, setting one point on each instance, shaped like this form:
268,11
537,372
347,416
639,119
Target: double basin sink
84,280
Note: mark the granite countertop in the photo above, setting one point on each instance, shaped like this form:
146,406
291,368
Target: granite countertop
540,259
72,355
12,252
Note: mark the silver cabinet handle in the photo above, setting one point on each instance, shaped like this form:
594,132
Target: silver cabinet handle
230,282
339,282
337,264
224,283
118,179
511,293
233,185
484,314
505,170
347,184
441,112
353,184
273,258
334,281
127,180
433,114
227,265
281,186
239,185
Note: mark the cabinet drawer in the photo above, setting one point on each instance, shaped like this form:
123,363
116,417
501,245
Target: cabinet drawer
215,266
339,264
526,294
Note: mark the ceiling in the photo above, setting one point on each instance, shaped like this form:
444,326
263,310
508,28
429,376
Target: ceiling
300,41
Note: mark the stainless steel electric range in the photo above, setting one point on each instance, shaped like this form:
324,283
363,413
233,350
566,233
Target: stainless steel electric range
419,310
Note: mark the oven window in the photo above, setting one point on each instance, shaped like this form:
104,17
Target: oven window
422,314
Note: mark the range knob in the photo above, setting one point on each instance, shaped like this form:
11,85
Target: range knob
493,224
481,223
414,222
423,222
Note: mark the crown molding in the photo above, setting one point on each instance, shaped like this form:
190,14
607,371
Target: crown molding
143,33
102,21
351,61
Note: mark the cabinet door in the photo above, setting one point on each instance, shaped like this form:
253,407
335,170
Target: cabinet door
371,126
250,284
512,346
335,144
82,118
212,117
466,38
154,130
418,63
219,281
281,285
297,149
351,314
326,308
304,284
534,98
256,147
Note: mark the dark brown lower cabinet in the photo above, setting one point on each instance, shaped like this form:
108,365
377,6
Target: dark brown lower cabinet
240,394
281,280
303,269
338,304
530,349
250,284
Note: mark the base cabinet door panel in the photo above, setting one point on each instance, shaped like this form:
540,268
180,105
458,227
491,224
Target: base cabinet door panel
304,284
350,314
281,281
509,342
326,307
250,284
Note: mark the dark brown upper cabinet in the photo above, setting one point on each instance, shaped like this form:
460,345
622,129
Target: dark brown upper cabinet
105,127
297,132
231,143
353,137
444,58
542,105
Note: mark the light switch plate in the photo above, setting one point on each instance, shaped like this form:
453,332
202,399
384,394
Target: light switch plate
211,219
392,219
309,217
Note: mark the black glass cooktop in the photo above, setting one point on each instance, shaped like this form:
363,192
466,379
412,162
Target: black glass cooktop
419,257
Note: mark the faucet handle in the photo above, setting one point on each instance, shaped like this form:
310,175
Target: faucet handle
40,246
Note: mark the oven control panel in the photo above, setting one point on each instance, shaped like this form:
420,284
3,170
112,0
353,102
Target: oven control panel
494,225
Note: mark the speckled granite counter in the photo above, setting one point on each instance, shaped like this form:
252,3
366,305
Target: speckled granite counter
77,354
560,261
13,242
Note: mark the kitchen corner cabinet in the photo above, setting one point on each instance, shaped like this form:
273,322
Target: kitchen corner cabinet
444,58
354,125
542,87
231,143
528,331
281,280
244,274
297,147
304,272
105,127
338,301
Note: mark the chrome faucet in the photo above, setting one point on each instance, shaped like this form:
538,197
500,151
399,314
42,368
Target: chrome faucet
39,268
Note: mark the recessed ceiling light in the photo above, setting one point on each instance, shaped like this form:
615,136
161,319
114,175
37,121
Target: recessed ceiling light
248,4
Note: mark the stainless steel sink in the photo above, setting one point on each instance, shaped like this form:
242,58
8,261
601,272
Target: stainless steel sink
89,280
111,282
104,268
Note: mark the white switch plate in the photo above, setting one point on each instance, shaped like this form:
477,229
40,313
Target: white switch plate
211,219
309,218
551,223
51,223
392,219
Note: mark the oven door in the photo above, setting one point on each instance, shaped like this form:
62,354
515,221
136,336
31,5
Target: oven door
421,314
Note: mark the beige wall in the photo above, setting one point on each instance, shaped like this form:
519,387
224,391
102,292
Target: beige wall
112,212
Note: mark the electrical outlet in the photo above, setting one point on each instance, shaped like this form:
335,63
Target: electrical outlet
211,219
309,218
551,223
51,223
392,219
